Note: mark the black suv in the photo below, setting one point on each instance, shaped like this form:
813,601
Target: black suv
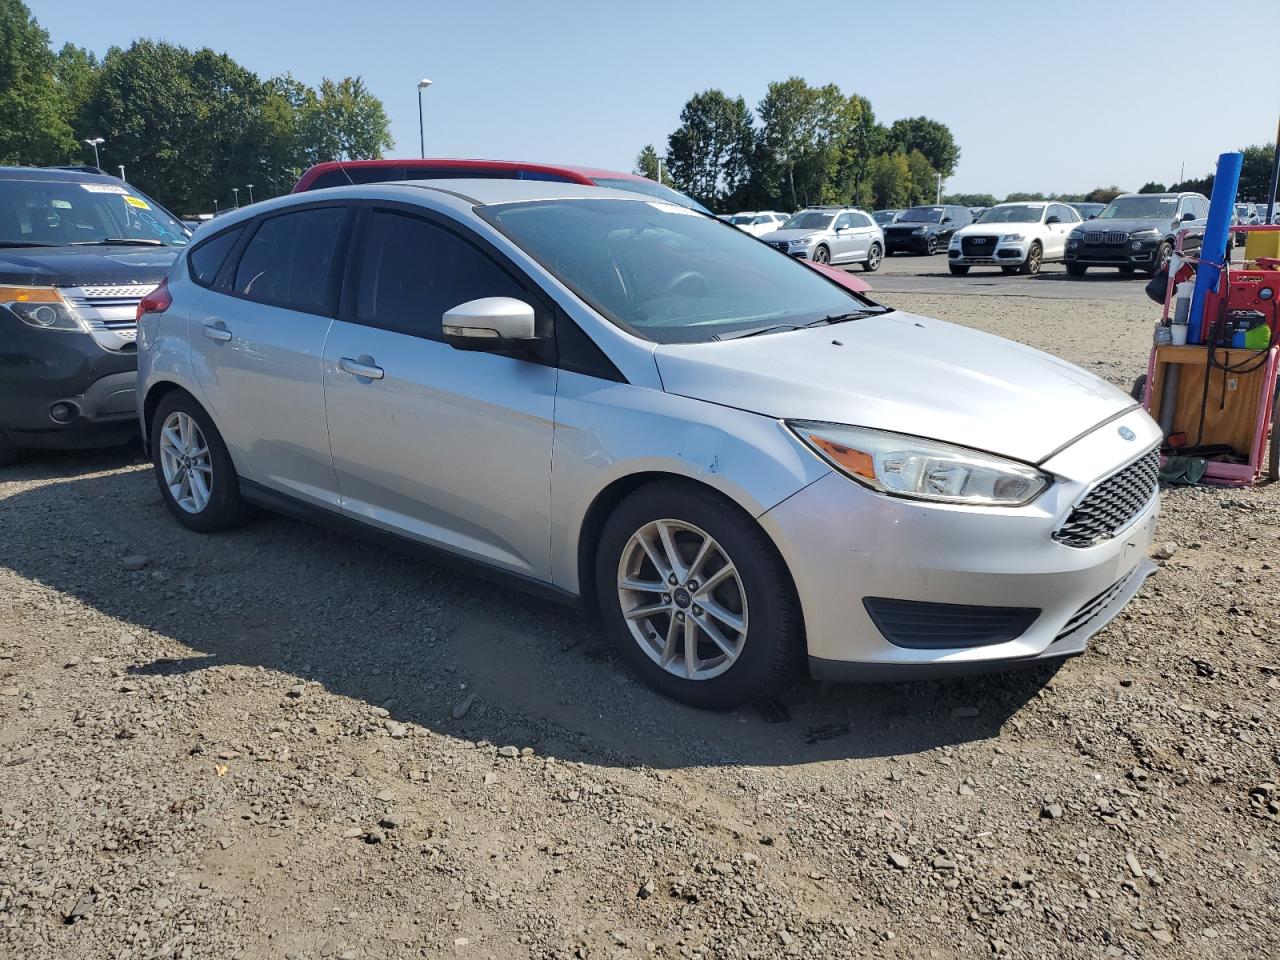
1136,231
925,229
78,251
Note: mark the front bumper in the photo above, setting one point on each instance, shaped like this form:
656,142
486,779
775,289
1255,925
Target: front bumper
1114,254
906,243
1003,255
844,543
40,369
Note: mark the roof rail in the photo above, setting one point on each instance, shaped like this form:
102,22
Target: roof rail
78,168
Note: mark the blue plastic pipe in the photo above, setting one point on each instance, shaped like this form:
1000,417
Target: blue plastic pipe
1216,234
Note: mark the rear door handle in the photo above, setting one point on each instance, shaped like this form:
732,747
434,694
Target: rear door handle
217,330
361,367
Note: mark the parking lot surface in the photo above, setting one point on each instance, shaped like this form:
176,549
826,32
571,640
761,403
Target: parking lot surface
282,743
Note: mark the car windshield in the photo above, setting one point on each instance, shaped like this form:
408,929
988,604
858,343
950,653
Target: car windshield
922,215
650,189
59,212
1151,207
1014,213
743,218
884,216
808,220
666,274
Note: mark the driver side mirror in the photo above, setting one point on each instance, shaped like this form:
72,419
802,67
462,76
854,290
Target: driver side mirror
1188,216
946,219
490,324
1053,219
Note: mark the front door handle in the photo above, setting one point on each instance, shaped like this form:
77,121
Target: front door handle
217,330
362,366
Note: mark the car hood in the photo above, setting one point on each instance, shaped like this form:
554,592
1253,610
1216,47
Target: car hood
780,235
1122,225
905,373
911,224
76,266
987,229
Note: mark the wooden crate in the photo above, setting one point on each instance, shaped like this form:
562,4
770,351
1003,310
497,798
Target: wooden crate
1231,409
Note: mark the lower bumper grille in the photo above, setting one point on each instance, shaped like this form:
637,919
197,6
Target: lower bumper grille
1091,609
939,626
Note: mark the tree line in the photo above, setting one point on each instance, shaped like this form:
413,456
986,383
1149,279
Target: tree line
802,145
188,125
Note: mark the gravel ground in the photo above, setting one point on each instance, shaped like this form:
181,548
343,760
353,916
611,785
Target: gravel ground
282,743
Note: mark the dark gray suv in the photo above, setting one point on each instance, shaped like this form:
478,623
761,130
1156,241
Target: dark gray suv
1136,231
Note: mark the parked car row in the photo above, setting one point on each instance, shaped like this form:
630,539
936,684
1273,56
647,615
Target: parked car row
607,398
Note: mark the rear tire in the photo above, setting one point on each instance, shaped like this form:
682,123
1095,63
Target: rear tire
203,495
958,270
8,452
767,651
874,255
1127,270
1076,269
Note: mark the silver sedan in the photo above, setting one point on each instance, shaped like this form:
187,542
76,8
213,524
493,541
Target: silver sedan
619,402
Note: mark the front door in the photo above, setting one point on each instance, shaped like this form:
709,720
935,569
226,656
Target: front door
256,347
449,447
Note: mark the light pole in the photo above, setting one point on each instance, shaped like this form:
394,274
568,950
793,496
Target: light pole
215,206
250,186
939,200
236,191
122,176
659,169
422,137
95,143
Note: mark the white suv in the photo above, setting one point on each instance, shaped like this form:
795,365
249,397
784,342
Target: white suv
1016,237
757,224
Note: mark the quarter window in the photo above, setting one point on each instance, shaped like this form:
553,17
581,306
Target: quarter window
289,262
414,271
207,257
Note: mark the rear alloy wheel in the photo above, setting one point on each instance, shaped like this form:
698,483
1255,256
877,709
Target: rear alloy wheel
193,468
821,255
696,598
1031,266
874,255
958,269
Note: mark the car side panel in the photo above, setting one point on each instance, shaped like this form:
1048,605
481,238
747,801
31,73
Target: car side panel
605,432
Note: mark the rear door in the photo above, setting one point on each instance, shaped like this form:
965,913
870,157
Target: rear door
257,340
448,447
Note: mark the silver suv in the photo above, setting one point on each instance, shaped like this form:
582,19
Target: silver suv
621,402
831,235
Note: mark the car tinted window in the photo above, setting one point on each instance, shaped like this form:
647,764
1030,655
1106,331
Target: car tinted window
1201,207
413,271
860,219
207,256
290,259
842,221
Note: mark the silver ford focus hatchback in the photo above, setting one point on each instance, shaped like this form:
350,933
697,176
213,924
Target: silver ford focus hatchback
624,403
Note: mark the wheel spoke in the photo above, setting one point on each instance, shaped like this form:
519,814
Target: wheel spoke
715,580
718,638
172,436
727,617
690,647
199,490
700,559
642,586
648,610
659,564
673,639
674,563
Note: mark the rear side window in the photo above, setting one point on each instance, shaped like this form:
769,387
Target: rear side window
289,262
207,256
413,271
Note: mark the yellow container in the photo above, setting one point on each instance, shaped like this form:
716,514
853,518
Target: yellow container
1262,243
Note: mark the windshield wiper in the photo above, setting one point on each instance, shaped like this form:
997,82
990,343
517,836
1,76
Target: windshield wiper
119,241
821,321
24,243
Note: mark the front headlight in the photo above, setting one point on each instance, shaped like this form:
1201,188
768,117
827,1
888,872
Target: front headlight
906,466
802,242
42,307
1011,238
1144,235
920,231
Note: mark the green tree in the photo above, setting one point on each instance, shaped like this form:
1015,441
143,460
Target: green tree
33,118
1255,174
1024,197
924,179
345,122
931,138
1151,186
970,199
804,129
889,177
75,71
649,164
709,154
1103,194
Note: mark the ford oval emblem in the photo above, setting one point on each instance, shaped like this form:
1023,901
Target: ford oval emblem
1127,434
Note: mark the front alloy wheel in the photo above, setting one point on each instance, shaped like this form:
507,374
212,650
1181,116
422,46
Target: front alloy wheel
683,599
821,255
185,462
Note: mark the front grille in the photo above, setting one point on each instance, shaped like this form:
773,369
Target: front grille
1097,237
1091,609
131,291
978,246
939,626
780,244
1110,505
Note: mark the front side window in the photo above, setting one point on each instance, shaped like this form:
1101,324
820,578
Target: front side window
843,221
54,213
289,262
413,271
666,274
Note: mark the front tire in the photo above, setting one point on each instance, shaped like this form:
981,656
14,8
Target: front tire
1031,266
1076,269
696,598
957,269
874,255
8,451
821,255
931,246
1163,253
197,479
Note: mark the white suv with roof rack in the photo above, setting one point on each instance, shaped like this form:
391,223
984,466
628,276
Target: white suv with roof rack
1016,237
831,235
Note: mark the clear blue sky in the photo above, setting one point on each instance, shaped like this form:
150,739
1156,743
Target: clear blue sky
1064,95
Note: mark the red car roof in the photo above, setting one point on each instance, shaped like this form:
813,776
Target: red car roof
570,173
